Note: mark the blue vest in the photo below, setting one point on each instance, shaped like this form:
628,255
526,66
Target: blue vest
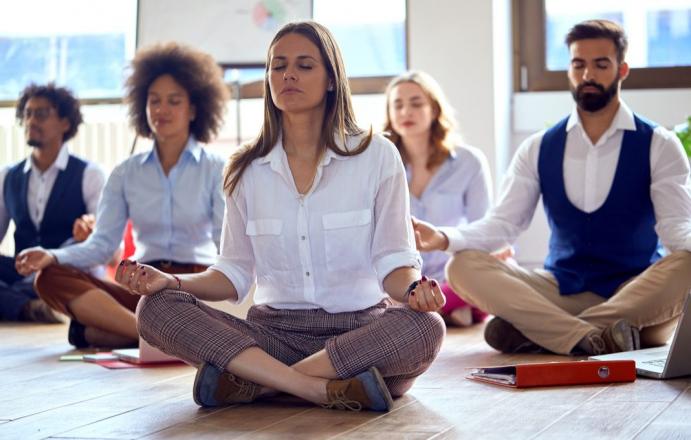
65,205
597,252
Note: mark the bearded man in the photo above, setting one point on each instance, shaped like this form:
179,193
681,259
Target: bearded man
616,192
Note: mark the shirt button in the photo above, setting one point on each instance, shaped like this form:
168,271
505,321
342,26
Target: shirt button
303,237
307,273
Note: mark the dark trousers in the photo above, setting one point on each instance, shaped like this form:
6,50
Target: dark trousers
14,291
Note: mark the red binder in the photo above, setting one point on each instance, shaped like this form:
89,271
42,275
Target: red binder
556,373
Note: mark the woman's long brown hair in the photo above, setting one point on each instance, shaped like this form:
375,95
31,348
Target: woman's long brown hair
339,118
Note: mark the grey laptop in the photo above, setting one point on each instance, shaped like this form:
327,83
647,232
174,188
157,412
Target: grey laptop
672,360
145,354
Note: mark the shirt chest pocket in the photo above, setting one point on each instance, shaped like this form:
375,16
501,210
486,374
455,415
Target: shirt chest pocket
347,240
267,242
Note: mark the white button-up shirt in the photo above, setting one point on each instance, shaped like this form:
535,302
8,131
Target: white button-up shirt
589,171
457,194
332,247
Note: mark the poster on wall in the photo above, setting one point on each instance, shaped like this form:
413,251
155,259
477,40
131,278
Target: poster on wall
234,32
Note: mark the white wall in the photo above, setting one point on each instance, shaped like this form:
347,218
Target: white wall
454,41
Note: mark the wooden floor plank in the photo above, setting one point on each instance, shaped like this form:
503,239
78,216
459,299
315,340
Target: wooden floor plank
414,421
604,420
139,422
646,390
69,417
99,383
41,397
479,410
674,422
231,423
313,424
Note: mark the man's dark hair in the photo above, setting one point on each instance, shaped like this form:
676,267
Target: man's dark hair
610,30
61,98
195,71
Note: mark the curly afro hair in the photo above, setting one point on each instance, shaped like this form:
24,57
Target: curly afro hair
195,71
61,98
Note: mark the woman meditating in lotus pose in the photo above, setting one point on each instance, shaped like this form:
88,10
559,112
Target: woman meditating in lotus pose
317,215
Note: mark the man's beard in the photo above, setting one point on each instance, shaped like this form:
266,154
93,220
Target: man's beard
34,143
592,102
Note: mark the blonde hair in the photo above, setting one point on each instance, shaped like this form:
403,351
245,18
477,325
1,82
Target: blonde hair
339,117
441,137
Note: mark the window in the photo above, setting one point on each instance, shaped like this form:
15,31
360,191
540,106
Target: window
373,44
82,44
371,34
659,40
86,45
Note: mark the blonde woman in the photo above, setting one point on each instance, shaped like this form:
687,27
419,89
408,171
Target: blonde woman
448,181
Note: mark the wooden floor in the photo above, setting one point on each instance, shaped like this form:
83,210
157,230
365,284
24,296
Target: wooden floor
41,397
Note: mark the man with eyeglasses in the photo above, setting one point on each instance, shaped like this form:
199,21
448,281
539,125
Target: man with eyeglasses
50,196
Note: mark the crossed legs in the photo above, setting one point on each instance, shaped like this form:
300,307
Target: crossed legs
530,300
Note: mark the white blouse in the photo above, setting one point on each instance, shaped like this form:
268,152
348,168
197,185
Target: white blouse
330,248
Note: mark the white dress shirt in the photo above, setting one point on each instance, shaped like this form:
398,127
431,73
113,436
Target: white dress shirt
457,194
175,216
332,247
588,175
41,185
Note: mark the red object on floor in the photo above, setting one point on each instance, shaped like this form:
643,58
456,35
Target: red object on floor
453,301
127,251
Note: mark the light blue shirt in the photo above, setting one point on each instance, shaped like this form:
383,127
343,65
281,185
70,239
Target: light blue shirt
458,193
176,217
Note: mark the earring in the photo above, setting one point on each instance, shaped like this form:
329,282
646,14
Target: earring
330,88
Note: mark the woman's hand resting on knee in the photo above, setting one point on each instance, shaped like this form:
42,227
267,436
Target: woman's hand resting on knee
142,279
425,296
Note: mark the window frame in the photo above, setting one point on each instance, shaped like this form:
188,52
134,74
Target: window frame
363,85
530,67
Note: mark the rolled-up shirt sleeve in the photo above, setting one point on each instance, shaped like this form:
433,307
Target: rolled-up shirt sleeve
236,258
670,191
393,241
514,211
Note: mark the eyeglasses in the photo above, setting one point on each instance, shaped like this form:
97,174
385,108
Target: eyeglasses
40,113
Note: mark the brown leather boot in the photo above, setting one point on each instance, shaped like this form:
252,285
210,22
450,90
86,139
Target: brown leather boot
214,387
365,391
621,336
504,337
